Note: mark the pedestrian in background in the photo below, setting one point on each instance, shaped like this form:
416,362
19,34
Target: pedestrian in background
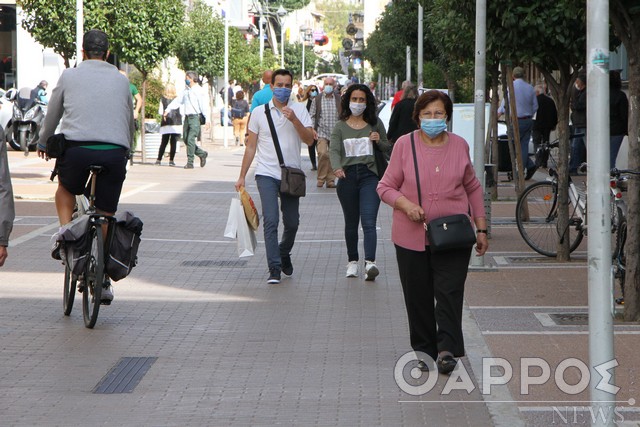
309,95
293,127
7,207
239,116
448,186
354,164
578,123
265,94
526,107
325,110
401,121
170,125
618,115
397,97
546,119
193,100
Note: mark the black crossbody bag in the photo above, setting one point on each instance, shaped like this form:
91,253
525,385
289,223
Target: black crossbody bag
292,180
448,232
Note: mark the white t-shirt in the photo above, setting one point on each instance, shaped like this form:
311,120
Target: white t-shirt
290,142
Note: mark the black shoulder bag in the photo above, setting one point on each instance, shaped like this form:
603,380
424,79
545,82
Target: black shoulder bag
292,181
381,158
448,232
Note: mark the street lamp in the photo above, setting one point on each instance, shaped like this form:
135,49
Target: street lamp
281,12
303,34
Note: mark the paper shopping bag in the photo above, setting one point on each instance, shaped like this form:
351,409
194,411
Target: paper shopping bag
238,228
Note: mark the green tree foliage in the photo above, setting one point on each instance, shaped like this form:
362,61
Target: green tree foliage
336,19
293,59
287,4
51,23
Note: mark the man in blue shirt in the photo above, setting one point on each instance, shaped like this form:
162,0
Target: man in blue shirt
265,94
526,107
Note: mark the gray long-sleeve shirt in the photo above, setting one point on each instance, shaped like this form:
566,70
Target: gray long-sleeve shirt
7,208
94,103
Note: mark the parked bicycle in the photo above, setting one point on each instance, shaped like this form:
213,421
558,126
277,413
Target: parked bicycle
91,255
537,210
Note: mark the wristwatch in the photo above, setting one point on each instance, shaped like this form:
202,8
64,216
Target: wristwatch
484,230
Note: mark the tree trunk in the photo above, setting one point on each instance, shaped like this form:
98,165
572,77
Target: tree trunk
561,91
493,127
632,245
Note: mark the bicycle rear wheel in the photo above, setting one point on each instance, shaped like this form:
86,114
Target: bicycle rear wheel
540,231
93,276
69,291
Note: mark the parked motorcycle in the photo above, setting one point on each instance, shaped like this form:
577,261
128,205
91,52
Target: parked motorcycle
28,115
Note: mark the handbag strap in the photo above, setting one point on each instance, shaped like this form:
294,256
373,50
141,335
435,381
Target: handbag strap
415,166
274,135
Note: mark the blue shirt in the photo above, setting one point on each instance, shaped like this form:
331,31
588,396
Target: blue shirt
526,101
261,97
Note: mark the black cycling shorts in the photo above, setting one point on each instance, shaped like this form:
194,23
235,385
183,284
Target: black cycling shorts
73,174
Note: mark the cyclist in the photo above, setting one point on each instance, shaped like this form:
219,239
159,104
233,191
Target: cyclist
92,104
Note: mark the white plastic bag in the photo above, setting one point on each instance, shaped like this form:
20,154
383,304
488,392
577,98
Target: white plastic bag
238,228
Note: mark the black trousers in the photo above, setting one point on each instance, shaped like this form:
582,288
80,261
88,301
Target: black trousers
312,154
440,276
163,145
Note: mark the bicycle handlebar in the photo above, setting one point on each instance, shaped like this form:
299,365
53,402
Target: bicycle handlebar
614,173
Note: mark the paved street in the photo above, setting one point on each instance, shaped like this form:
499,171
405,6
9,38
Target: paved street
226,349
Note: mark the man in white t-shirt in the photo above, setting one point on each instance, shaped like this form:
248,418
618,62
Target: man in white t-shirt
293,127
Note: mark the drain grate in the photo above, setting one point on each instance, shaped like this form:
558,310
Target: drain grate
125,375
212,263
570,319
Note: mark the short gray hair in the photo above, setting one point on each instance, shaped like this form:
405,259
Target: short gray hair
192,75
518,72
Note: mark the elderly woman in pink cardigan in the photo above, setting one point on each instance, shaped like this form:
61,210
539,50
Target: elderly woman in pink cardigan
448,186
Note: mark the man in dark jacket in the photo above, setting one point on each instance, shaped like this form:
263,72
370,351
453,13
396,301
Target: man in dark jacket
579,124
546,118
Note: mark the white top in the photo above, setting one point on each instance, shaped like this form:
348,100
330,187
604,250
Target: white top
194,101
290,142
170,129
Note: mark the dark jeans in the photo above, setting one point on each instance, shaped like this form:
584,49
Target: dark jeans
269,190
166,138
524,128
425,276
312,154
578,149
360,202
615,144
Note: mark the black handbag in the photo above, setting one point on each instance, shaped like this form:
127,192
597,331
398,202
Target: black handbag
202,118
56,146
381,160
292,180
448,232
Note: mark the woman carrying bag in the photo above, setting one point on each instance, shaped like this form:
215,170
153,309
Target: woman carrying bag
430,177
354,140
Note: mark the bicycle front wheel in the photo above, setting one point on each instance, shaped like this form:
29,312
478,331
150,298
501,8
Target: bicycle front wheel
540,229
93,276
69,291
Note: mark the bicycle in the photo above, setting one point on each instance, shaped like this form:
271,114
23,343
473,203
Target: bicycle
537,210
91,281
618,184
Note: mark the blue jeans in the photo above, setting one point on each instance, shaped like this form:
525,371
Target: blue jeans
524,128
578,149
614,146
269,189
360,202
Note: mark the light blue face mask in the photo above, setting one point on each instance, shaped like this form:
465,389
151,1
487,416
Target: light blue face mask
314,93
328,89
433,127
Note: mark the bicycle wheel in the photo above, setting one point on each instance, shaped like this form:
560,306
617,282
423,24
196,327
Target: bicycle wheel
69,291
540,231
93,276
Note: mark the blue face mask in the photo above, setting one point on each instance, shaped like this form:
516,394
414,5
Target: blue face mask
187,82
282,94
433,127
328,90
314,93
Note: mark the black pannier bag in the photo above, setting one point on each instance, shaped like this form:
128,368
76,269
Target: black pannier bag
123,253
74,244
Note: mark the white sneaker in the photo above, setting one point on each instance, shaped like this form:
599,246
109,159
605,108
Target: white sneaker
352,269
107,294
370,270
